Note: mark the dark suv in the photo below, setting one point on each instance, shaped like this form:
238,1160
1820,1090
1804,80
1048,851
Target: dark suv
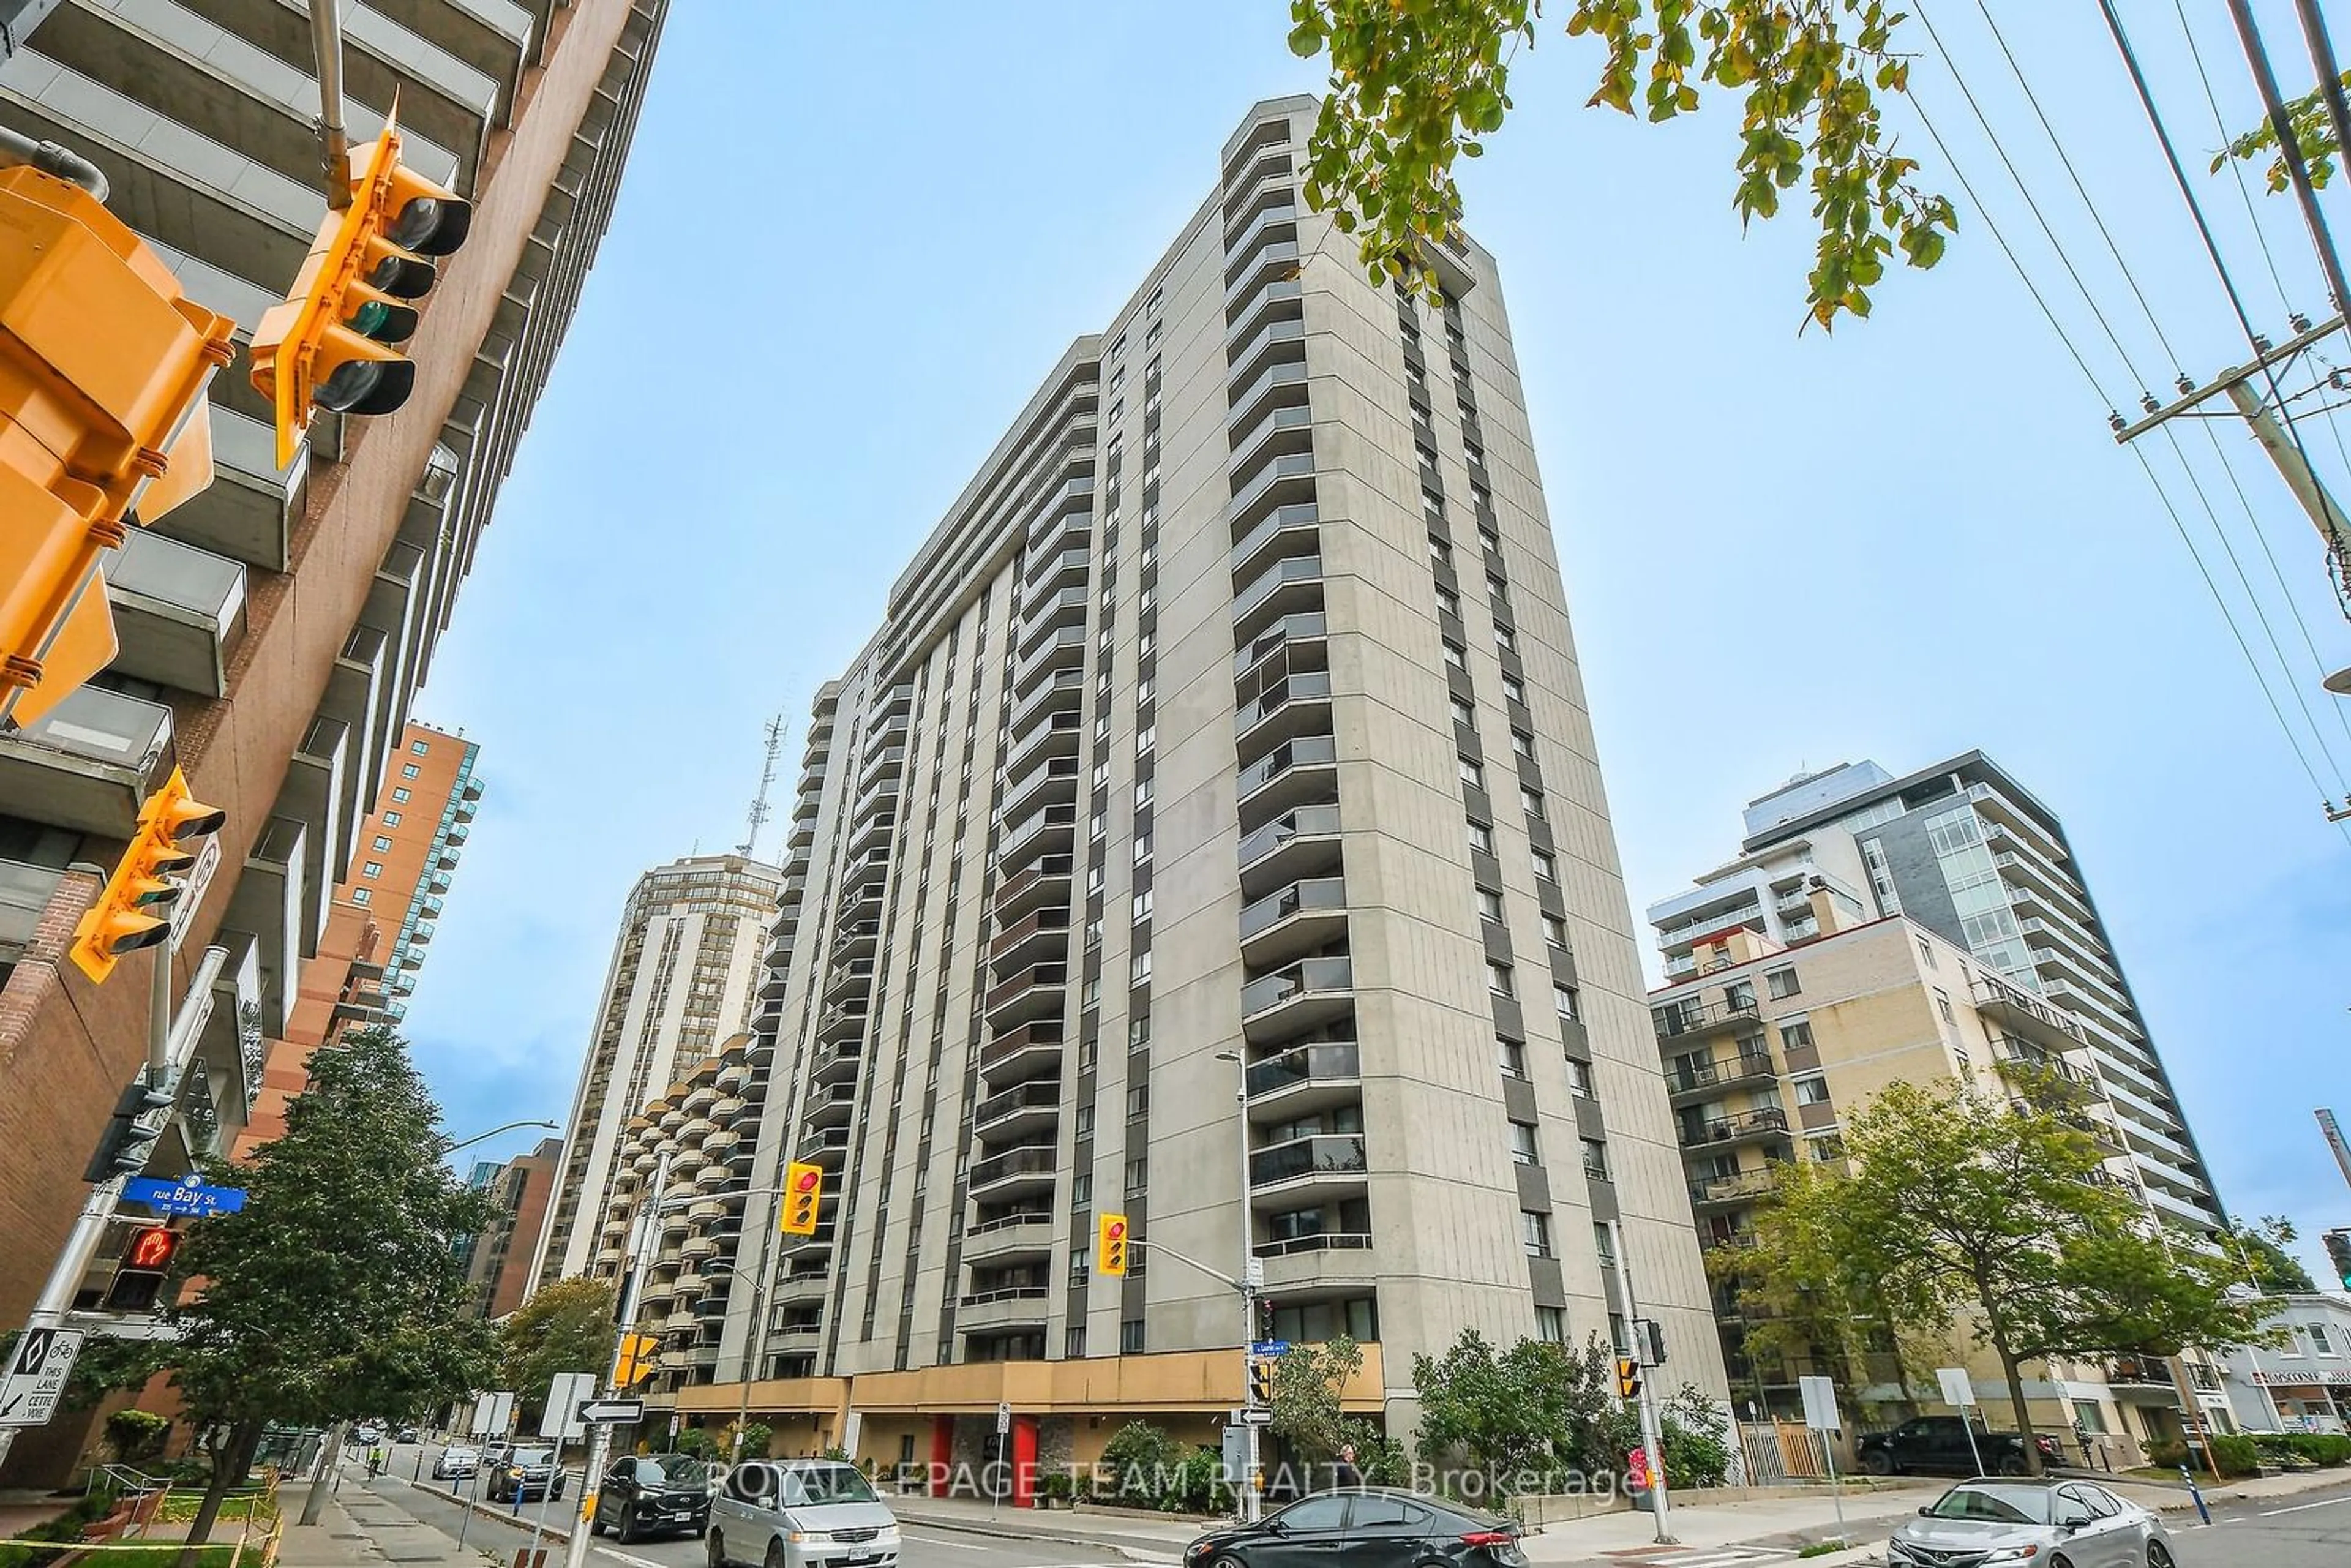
525,1473
1937,1445
652,1494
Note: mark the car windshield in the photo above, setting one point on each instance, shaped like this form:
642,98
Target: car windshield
808,1485
672,1471
1999,1504
532,1456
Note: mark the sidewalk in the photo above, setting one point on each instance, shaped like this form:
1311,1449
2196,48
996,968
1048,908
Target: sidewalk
361,1530
1869,1517
2172,1497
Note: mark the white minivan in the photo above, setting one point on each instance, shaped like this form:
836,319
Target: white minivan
800,1514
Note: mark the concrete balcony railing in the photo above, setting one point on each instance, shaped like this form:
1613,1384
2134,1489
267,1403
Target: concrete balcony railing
89,763
178,612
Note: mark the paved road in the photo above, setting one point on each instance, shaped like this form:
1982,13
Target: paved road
925,1547
2311,1530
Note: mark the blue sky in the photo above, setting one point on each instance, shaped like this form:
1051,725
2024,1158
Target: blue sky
850,244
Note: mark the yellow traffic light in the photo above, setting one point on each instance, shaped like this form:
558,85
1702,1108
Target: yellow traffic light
803,1188
330,343
638,1354
1110,1244
1628,1377
103,422
134,910
1260,1380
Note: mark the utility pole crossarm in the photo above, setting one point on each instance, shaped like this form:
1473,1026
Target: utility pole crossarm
2229,378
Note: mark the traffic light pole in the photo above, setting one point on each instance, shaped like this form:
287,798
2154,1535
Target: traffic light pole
98,1210
599,1439
1652,1442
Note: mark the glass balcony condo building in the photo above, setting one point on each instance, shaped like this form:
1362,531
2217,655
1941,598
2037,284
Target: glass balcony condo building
1212,834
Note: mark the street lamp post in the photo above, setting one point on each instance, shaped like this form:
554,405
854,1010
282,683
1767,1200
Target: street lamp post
1249,1274
448,1149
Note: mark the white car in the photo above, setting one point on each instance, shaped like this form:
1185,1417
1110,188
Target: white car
800,1514
456,1464
2050,1523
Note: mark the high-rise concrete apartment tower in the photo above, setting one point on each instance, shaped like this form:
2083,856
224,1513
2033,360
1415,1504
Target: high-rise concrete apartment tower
679,984
274,628
1965,851
1225,742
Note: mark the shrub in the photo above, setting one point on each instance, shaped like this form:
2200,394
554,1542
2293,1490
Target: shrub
2168,1454
1057,1487
758,1438
136,1435
1141,1459
2235,1455
2317,1447
1697,1439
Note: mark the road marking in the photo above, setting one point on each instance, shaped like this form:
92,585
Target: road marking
2303,1507
631,1558
933,1540
1708,1557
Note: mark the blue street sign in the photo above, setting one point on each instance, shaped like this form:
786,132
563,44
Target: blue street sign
183,1198
1270,1348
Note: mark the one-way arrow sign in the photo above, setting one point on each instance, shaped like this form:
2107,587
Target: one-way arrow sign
611,1412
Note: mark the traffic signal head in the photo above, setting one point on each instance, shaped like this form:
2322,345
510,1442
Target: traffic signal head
1628,1377
2338,1255
1110,1244
637,1354
139,1280
130,1133
330,343
803,1188
132,910
1260,1380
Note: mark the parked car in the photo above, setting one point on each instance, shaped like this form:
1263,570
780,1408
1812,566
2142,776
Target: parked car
495,1451
405,1435
1938,1445
1363,1527
652,1494
366,1434
455,1464
525,1473
801,1514
2067,1524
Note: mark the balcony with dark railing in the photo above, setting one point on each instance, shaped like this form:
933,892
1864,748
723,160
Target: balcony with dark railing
1283,480
1723,1073
1297,997
823,1146
1692,1017
1053,735
1020,1113
1060,609
1295,1172
849,979
1030,1168
1282,384
841,1021
1067,689
1747,1126
1290,531
836,1061
1048,830
1066,645
1301,918
1305,637
1304,1078
833,1106
1282,300
2022,1013
1030,994
1002,1237
1731,1191
1058,570
1044,881
1039,934
1285,428
855,940
1018,1054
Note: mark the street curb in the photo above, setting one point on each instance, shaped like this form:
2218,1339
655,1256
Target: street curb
550,1531
1134,1548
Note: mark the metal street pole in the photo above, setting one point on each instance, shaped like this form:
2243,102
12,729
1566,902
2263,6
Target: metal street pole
165,1058
1651,1439
1245,1495
755,1337
599,1439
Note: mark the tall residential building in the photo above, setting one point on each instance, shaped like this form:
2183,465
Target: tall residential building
274,628
1767,1050
1211,833
498,1260
679,987
1965,851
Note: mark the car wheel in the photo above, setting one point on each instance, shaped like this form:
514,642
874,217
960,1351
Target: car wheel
1877,1464
776,1555
717,1550
625,1532
2157,1555
2012,1465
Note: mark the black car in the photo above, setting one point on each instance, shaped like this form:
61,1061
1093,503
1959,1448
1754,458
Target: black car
1365,1527
523,1474
1938,1445
652,1494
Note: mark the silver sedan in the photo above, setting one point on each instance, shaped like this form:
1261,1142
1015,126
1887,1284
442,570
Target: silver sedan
2047,1523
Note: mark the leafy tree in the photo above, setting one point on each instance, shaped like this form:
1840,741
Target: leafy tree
1696,1435
2314,132
2264,1262
1308,1381
1526,1416
136,1435
1416,83
758,1438
564,1326
1144,1461
335,1292
1968,1206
